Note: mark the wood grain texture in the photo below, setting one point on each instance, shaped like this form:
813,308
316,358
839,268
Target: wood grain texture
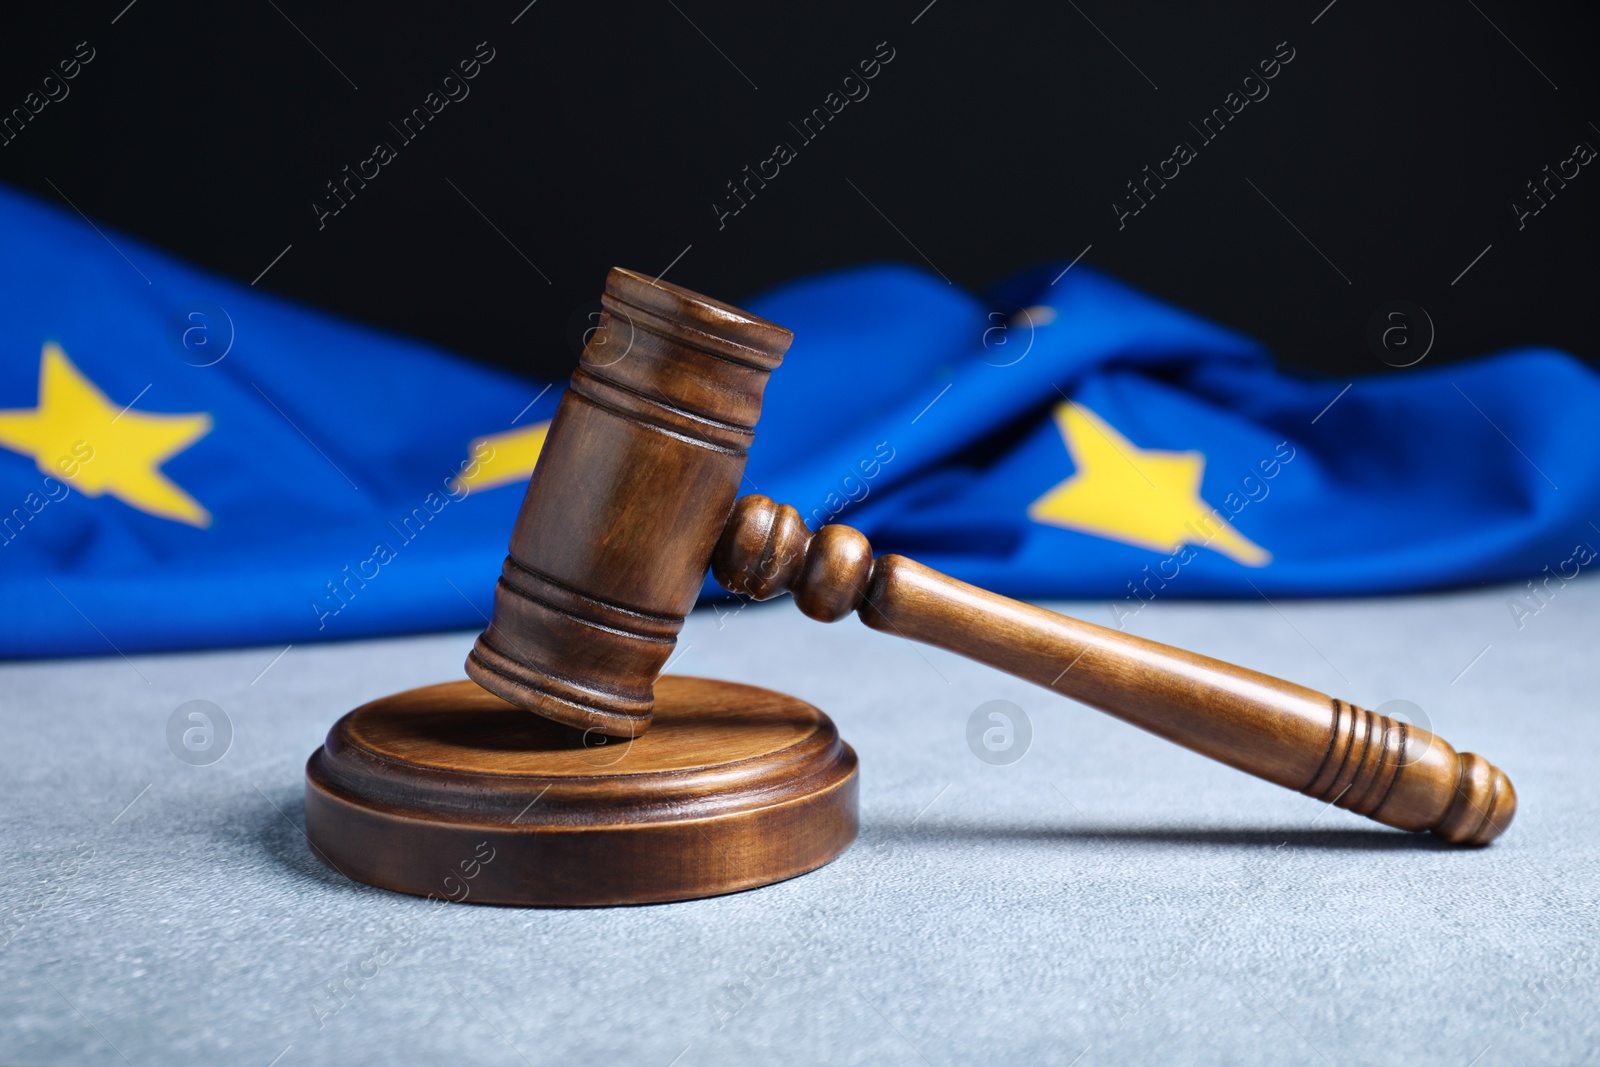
1393,772
639,469
451,792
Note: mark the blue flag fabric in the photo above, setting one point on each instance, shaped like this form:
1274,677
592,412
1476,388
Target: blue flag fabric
188,462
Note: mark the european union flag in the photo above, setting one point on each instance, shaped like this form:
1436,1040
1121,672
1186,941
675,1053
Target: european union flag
188,462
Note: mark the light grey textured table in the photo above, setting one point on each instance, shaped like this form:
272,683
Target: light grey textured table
1107,899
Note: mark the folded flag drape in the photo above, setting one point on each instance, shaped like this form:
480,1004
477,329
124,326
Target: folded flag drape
188,462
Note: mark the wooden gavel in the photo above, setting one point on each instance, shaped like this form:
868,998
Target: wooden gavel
633,500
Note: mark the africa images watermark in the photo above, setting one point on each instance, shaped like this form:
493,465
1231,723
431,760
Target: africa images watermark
1254,90
1552,983
336,993
453,88
1543,190
856,486
340,591
25,900
53,89
854,89
1253,487
51,491
1525,606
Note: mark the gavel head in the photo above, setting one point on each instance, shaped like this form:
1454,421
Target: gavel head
637,476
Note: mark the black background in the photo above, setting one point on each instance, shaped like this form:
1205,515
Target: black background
998,137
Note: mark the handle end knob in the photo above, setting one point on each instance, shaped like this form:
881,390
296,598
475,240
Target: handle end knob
1407,777
1484,805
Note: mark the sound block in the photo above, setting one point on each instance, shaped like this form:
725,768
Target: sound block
449,791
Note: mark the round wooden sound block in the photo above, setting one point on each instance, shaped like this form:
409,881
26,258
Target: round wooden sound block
450,791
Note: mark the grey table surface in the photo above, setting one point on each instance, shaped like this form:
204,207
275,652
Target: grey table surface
1107,898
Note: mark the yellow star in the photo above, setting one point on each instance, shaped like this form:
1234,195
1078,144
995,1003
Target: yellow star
124,448
502,458
1140,497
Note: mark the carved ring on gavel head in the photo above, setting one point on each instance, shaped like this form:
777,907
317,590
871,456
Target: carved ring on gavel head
638,471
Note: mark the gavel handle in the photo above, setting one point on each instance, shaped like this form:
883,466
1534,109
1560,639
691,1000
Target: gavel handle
1393,772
